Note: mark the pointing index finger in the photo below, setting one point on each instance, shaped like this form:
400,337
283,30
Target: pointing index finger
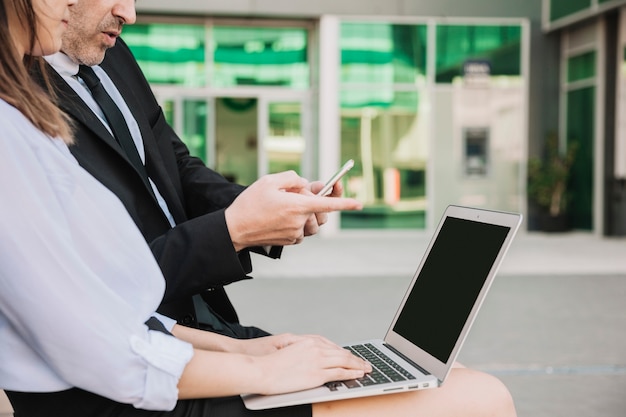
319,204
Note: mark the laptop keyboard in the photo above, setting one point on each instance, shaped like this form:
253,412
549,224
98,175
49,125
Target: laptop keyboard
384,369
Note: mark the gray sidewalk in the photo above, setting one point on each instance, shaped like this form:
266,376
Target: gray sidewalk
552,328
397,253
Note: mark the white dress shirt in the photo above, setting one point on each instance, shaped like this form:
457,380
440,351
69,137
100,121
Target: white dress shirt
77,281
67,69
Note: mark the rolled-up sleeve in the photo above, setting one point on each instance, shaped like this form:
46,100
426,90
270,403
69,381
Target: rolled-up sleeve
165,370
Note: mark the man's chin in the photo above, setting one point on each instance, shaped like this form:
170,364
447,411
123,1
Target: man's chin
85,56
91,59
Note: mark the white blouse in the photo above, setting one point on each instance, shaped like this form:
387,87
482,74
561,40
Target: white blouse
77,281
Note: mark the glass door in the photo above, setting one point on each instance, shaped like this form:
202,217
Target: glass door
243,137
255,136
284,143
236,138
189,117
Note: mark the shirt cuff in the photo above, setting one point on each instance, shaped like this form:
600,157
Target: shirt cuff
166,357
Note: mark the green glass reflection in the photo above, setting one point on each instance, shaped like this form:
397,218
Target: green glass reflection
236,141
168,111
563,8
581,67
389,146
580,130
169,53
285,144
195,127
382,53
377,97
499,46
260,56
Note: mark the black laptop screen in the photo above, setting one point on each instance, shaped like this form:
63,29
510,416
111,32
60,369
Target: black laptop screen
448,284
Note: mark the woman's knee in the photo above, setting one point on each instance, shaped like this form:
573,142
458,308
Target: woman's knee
466,392
483,392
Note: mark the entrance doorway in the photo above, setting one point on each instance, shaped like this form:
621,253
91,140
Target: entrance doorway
236,138
243,137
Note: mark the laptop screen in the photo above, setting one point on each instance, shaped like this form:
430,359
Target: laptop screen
448,284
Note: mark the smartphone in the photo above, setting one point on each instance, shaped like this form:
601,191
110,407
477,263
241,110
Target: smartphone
331,182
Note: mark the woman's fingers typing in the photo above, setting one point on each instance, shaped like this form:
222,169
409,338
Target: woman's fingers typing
310,362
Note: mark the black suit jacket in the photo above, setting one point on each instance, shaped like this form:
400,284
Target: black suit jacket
197,254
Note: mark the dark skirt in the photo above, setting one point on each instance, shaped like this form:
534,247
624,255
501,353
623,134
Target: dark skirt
79,403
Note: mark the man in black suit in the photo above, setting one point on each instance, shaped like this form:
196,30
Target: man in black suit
201,228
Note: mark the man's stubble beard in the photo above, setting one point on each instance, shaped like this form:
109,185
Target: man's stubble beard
82,52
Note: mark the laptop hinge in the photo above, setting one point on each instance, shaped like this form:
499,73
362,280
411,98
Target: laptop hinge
394,350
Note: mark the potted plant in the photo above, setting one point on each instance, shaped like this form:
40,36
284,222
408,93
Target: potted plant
547,184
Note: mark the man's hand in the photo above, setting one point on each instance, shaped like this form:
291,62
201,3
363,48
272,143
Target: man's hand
280,209
316,220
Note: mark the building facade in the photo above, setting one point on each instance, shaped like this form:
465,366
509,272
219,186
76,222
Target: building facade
438,103
592,106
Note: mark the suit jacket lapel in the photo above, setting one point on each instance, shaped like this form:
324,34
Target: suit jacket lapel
154,163
73,104
70,102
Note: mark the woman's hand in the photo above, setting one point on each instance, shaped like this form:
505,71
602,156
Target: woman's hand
270,365
307,362
265,345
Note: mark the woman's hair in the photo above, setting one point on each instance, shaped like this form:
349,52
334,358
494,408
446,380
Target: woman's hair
16,85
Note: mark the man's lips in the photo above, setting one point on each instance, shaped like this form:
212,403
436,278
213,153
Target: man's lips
111,36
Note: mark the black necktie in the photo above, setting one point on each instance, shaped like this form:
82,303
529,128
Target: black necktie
114,116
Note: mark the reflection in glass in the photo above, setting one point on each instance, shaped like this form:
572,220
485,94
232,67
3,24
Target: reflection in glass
285,144
260,56
195,127
581,67
382,53
383,65
580,130
499,46
168,108
236,138
562,8
390,147
169,53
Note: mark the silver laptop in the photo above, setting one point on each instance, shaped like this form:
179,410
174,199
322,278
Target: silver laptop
434,317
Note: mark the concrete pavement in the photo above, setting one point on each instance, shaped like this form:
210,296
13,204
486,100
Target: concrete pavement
397,253
552,327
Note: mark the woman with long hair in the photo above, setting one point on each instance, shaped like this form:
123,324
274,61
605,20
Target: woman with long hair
79,288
